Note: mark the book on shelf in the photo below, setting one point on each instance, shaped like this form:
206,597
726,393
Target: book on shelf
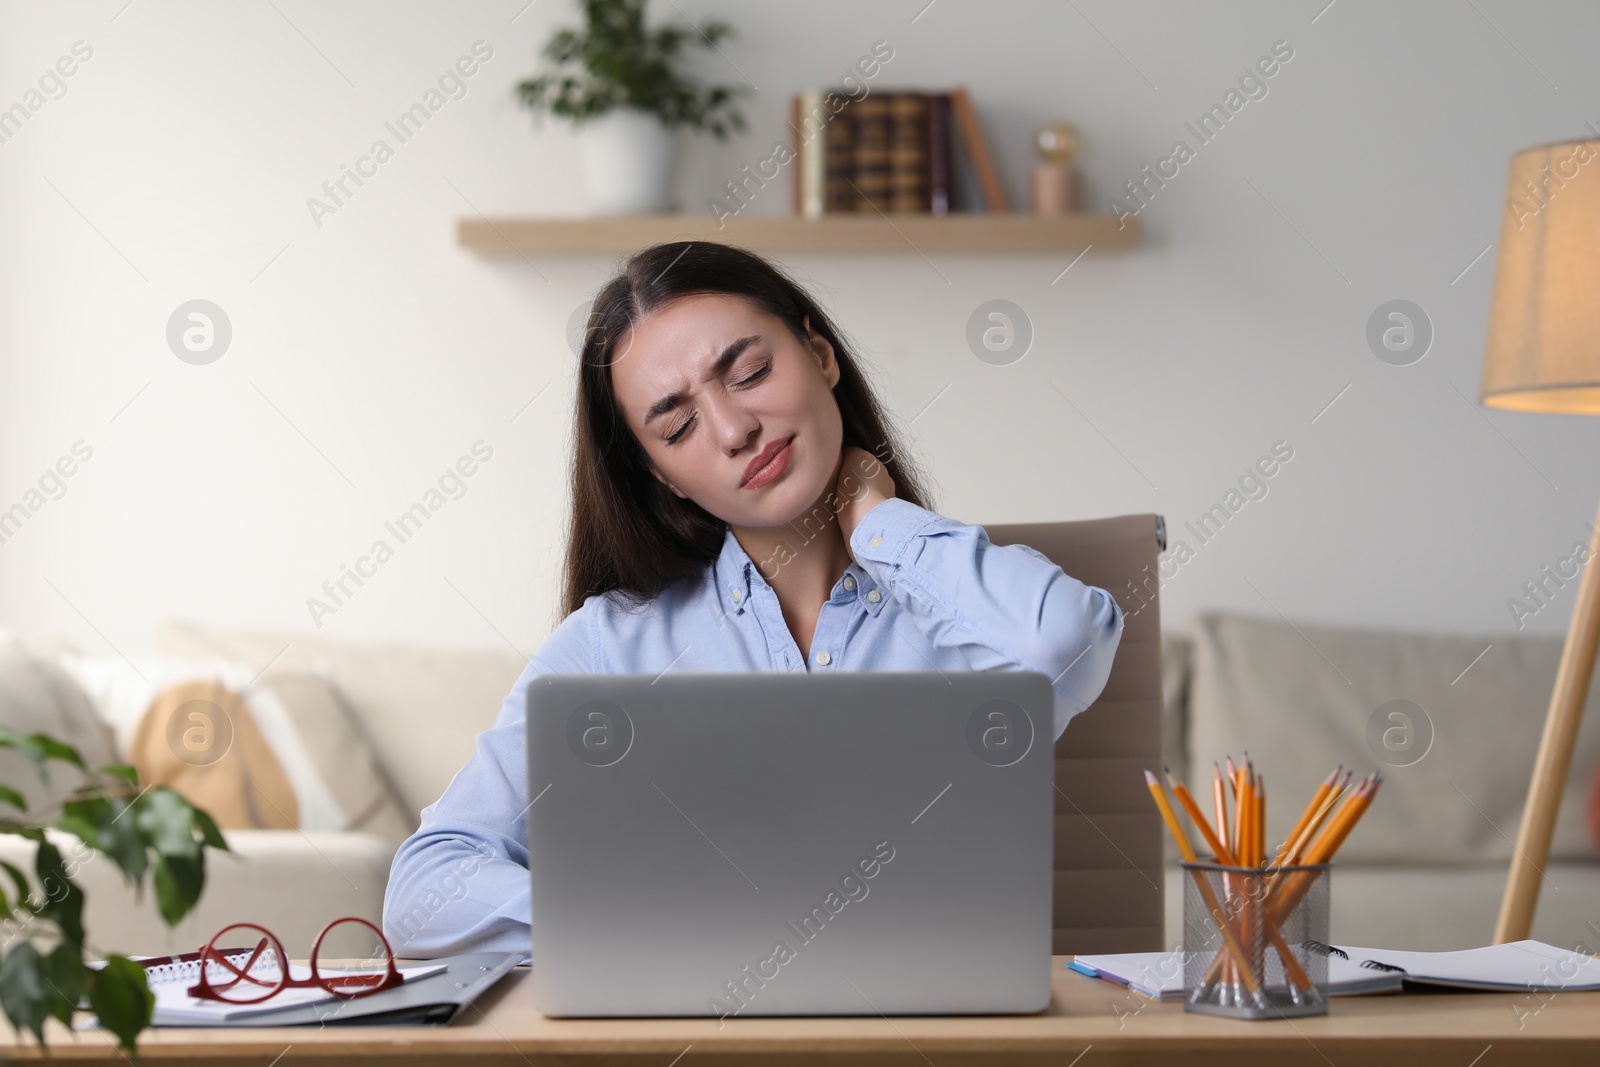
892,150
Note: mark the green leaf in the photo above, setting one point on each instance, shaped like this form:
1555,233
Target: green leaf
63,900
23,992
81,818
210,835
63,970
21,881
18,879
50,748
126,771
120,997
178,882
39,749
167,821
119,837
12,797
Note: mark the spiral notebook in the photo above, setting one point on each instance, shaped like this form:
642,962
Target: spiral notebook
1159,975
1516,966
1513,967
434,993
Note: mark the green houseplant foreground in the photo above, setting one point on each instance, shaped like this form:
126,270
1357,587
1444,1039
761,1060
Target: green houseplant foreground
151,830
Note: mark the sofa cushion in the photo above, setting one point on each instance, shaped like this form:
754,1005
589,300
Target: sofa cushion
268,749
1302,698
200,739
36,695
420,706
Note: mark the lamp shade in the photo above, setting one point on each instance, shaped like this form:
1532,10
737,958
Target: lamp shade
1543,349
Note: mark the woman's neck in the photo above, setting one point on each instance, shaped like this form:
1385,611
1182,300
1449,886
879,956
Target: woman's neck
803,559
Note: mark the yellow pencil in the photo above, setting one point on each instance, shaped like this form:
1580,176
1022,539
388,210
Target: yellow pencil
1298,846
1213,842
1219,799
1324,847
1306,816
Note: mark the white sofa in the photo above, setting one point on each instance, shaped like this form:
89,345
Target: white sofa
1424,870
419,710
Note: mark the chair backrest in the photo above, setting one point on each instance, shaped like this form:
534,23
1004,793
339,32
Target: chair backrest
1108,894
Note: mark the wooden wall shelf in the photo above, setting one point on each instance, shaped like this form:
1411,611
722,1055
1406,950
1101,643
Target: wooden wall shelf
907,233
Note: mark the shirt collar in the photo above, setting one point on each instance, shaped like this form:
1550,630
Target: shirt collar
736,575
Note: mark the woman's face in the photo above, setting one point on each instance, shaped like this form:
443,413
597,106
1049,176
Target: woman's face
708,384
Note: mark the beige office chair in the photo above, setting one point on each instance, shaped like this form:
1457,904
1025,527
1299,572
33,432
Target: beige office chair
1108,844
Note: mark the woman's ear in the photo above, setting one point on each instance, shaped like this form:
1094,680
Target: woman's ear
827,361
666,483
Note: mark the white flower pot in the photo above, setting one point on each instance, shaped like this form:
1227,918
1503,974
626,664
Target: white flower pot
629,162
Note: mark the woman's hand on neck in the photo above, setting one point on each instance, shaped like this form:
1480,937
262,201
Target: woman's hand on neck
863,483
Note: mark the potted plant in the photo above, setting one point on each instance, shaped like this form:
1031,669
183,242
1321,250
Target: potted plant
615,79
150,830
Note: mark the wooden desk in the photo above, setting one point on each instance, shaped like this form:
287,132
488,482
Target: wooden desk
1089,1021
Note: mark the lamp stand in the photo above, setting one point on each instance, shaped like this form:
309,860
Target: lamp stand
1555,755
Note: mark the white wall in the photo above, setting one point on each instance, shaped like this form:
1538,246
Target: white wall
370,352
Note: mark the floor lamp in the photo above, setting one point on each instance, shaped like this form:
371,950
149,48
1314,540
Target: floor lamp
1543,354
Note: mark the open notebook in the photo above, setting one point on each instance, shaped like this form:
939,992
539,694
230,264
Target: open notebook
433,992
1159,975
1513,967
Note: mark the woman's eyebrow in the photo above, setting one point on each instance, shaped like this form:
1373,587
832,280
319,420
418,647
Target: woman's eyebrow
723,362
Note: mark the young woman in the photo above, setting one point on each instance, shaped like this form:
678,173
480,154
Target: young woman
739,502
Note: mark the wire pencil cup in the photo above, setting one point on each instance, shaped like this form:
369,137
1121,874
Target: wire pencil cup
1251,938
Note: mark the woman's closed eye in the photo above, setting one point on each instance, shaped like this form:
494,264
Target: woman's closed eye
681,430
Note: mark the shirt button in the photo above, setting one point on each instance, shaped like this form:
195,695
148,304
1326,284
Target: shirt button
824,659
874,596
737,596
849,581
877,539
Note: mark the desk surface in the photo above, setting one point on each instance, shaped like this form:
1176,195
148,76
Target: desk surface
1086,1016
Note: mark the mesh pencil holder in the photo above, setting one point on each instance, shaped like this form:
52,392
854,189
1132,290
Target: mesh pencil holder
1251,940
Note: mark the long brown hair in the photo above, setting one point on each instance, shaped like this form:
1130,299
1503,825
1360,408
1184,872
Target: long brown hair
630,535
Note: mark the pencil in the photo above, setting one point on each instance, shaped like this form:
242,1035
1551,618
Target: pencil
1187,852
1317,798
1219,798
1258,848
1323,848
1241,820
1298,846
1241,807
1214,843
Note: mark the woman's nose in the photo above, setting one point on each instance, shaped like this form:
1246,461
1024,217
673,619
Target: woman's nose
731,425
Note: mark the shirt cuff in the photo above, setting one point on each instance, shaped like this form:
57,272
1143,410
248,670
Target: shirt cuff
888,529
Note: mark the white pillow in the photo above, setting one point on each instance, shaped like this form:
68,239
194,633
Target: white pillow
121,691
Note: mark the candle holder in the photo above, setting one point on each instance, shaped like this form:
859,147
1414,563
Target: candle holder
1055,176
1251,940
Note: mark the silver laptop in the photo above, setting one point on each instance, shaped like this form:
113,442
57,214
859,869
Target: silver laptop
730,844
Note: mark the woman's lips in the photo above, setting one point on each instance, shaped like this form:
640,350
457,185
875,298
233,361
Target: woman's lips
774,467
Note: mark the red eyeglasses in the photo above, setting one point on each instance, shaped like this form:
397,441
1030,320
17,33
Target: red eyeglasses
237,981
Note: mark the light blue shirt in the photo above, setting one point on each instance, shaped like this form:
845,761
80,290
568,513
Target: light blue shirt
926,592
